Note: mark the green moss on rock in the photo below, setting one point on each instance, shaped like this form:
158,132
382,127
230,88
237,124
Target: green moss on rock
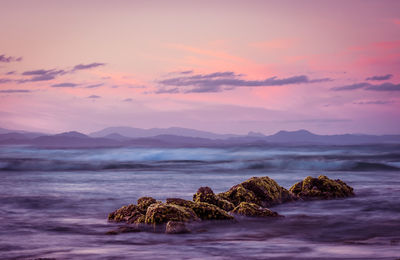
253,210
144,202
160,213
206,194
321,188
203,210
262,191
125,214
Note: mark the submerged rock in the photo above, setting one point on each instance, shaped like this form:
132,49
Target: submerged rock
203,210
126,229
321,188
262,191
129,213
206,194
174,227
159,213
253,210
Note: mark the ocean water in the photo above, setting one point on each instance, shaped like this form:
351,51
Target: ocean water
54,203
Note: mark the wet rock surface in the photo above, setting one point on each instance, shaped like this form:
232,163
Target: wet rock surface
262,191
176,228
253,210
206,194
251,198
321,188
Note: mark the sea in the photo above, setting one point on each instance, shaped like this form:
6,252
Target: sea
54,202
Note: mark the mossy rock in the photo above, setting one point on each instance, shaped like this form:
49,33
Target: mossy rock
262,191
321,188
125,214
203,210
160,213
144,202
206,194
253,210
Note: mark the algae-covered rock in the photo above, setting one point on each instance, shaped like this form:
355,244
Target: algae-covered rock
321,188
159,213
262,191
253,210
203,210
206,194
174,227
128,213
144,202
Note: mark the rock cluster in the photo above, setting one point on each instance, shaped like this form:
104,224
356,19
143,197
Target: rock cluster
250,198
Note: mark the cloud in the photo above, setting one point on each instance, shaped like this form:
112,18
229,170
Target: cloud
15,91
186,72
8,59
94,96
383,77
214,82
88,66
2,81
367,86
375,102
10,73
64,85
41,75
95,85
384,87
127,100
167,91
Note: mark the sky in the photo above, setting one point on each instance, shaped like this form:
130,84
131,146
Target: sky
330,67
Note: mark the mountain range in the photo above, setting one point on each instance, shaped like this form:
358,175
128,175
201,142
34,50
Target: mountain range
183,137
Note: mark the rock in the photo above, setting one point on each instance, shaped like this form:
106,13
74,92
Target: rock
262,191
128,213
174,227
206,194
253,210
321,188
144,202
203,210
125,229
159,213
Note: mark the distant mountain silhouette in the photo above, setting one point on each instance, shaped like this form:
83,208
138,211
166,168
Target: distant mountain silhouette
139,132
150,138
72,139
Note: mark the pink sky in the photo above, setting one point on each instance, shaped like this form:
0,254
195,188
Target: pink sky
222,66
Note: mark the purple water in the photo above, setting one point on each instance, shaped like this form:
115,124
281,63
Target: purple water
54,203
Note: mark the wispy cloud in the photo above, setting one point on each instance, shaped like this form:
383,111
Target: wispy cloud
127,100
214,82
15,91
88,66
5,80
45,75
382,77
41,75
65,85
388,86
8,59
94,96
374,102
95,85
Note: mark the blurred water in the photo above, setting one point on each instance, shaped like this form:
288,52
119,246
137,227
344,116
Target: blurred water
54,203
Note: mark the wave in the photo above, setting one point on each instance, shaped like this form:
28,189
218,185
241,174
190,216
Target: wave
34,164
